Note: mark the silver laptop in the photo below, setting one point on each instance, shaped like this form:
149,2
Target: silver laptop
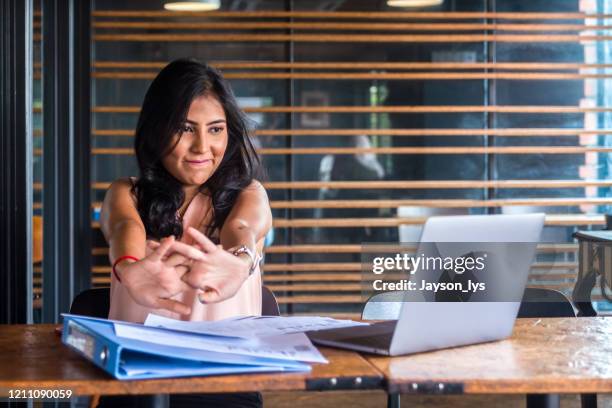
428,323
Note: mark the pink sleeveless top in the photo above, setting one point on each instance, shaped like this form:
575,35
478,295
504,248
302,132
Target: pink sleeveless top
246,302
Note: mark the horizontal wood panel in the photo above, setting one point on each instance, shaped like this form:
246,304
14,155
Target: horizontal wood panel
450,203
360,65
551,220
99,251
357,266
350,267
430,109
335,26
296,267
557,247
414,184
437,184
451,150
328,271
354,38
552,276
105,280
369,15
312,277
339,282
442,203
441,150
326,287
421,76
319,299
388,247
322,248
317,266
517,132
393,109
357,277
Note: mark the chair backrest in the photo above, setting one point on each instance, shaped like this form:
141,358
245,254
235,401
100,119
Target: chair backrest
269,305
96,303
92,302
541,302
537,302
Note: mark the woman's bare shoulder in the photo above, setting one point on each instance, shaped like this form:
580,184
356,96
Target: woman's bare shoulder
255,187
121,190
119,205
253,193
123,183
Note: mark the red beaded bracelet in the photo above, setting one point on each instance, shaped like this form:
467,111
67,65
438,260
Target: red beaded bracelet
122,258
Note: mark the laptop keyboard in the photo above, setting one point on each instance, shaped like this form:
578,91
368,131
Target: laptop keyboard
380,341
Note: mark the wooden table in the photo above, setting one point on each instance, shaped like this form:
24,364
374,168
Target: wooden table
568,355
543,356
33,357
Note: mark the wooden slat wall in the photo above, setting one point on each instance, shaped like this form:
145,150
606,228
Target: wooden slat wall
335,284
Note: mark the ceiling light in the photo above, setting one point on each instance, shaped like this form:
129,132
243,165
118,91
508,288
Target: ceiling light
199,5
414,3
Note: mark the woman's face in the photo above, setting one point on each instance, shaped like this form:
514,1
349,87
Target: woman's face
200,143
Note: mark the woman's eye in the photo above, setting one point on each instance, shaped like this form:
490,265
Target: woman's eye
216,130
186,129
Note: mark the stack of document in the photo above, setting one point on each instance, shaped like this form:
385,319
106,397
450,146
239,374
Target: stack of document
252,326
165,347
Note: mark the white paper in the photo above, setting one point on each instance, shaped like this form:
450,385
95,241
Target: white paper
294,347
252,326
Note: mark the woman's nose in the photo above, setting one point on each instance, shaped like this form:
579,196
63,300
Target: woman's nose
200,143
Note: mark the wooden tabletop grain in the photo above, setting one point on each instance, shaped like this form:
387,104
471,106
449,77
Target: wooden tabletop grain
563,355
33,357
567,355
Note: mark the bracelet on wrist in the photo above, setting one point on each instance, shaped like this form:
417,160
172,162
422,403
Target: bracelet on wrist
253,255
122,258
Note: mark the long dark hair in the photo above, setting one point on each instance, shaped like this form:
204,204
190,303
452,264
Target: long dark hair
164,110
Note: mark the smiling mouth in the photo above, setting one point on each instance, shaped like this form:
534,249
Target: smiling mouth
198,161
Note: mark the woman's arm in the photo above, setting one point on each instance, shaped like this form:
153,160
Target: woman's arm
155,278
250,219
121,224
221,274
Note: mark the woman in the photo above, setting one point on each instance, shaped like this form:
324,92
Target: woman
196,201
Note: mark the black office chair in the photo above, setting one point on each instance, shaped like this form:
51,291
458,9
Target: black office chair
269,305
538,302
92,302
96,303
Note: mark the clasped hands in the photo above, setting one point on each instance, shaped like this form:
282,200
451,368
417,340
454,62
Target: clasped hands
173,267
